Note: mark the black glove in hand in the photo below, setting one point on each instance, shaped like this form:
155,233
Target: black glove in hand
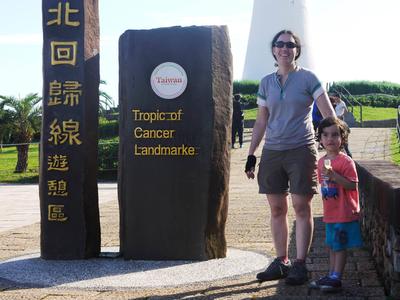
251,163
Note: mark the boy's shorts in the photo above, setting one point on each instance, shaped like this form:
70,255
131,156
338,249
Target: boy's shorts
293,170
342,236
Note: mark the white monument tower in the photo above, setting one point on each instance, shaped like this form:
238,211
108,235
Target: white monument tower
269,17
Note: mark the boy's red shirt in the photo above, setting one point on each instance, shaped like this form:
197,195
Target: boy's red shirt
344,206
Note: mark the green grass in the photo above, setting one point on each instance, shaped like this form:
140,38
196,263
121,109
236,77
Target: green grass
8,161
395,148
375,113
369,113
250,114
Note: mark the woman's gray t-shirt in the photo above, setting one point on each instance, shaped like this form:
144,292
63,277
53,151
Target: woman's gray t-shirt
289,124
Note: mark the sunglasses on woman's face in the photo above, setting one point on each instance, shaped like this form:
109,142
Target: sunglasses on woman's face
289,45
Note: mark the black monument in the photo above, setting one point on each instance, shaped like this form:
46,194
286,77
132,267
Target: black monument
175,117
70,227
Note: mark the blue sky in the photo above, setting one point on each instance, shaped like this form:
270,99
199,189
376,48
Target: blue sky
352,39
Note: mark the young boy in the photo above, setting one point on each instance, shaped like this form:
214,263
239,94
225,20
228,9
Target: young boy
337,175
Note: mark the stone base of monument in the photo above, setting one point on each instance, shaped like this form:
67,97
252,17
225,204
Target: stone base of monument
117,273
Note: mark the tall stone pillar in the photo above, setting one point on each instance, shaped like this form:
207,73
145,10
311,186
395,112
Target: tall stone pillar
175,119
269,17
70,226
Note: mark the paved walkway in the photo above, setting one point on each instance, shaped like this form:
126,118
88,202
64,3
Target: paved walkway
370,143
19,204
247,228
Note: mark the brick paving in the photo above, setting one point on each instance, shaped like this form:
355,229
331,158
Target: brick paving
247,228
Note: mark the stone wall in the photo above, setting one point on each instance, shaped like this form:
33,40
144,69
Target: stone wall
380,207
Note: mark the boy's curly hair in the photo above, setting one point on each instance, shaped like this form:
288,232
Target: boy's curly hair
343,129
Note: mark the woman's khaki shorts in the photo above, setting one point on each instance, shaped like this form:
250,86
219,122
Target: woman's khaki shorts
293,170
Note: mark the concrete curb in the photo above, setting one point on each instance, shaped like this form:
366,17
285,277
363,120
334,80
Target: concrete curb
116,273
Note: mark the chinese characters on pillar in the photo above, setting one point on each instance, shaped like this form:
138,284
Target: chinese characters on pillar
63,12
63,133
64,93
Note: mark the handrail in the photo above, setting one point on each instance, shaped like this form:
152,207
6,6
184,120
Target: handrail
398,123
356,101
349,99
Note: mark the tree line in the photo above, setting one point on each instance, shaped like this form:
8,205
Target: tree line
20,118
368,93
20,122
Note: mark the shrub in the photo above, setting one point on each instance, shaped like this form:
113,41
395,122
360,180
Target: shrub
249,101
368,87
108,154
378,100
368,93
245,87
107,129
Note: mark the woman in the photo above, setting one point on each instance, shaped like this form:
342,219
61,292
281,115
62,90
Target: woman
288,161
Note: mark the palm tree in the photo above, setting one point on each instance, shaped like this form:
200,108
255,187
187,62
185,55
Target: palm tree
23,122
5,132
105,101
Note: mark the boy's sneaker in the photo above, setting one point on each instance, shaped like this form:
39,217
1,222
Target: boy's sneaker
298,274
276,270
316,284
327,284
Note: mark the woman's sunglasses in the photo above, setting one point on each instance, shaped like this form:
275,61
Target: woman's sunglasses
289,45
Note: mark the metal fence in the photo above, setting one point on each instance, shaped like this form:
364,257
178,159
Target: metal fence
349,99
107,158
